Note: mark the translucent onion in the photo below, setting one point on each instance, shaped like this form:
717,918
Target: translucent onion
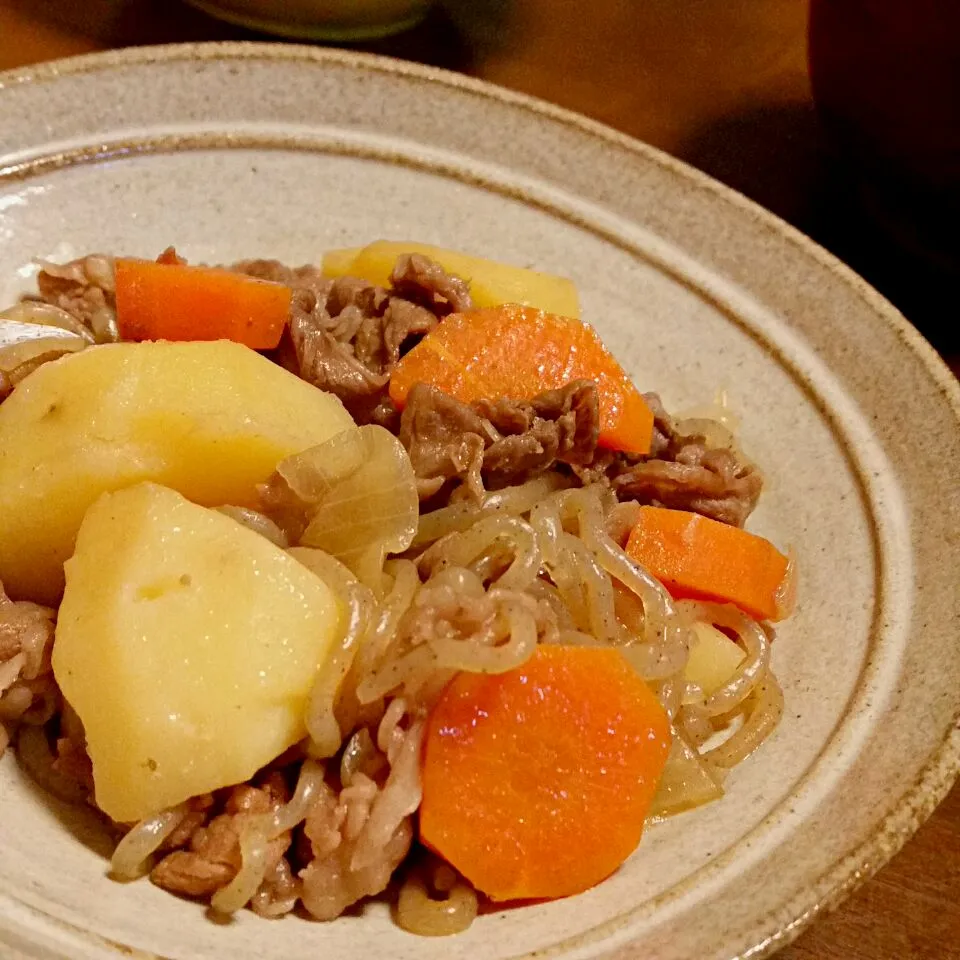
257,522
361,494
718,413
46,315
21,353
686,782
715,433
10,670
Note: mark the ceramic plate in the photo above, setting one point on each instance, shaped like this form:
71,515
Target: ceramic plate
233,151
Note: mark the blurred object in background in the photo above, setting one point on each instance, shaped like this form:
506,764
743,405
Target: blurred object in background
886,80
335,20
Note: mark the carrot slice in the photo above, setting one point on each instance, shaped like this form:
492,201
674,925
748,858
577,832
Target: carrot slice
172,301
702,559
536,782
517,352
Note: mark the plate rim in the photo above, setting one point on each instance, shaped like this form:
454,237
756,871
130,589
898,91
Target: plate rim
942,768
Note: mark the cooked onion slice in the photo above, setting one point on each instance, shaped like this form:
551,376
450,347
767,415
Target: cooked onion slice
25,346
38,313
686,782
360,493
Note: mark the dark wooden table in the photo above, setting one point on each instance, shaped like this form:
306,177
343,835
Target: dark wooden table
722,84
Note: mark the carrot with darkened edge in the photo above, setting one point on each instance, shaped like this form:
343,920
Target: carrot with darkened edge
517,352
702,559
173,301
536,782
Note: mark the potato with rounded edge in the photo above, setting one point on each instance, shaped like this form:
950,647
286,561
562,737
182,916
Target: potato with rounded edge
188,645
211,420
491,283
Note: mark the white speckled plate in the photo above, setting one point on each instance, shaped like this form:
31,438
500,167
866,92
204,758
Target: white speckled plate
234,151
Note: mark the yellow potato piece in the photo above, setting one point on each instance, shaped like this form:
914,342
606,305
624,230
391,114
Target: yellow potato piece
337,263
188,645
713,658
208,419
491,283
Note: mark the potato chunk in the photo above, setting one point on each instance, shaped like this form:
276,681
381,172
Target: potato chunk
491,283
713,660
188,645
208,419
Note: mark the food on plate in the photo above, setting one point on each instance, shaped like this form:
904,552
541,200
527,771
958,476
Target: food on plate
491,283
521,821
519,352
211,420
694,556
173,301
713,658
354,496
188,645
423,590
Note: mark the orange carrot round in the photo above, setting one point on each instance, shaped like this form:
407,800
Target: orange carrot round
173,301
517,352
702,559
536,782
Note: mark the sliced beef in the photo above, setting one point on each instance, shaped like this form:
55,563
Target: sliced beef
85,289
306,277
380,339
497,443
25,628
73,762
340,869
684,473
329,362
422,280
199,810
171,258
445,438
348,337
564,423
213,857
712,483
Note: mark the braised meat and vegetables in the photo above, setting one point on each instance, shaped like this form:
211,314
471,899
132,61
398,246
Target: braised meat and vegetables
373,577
